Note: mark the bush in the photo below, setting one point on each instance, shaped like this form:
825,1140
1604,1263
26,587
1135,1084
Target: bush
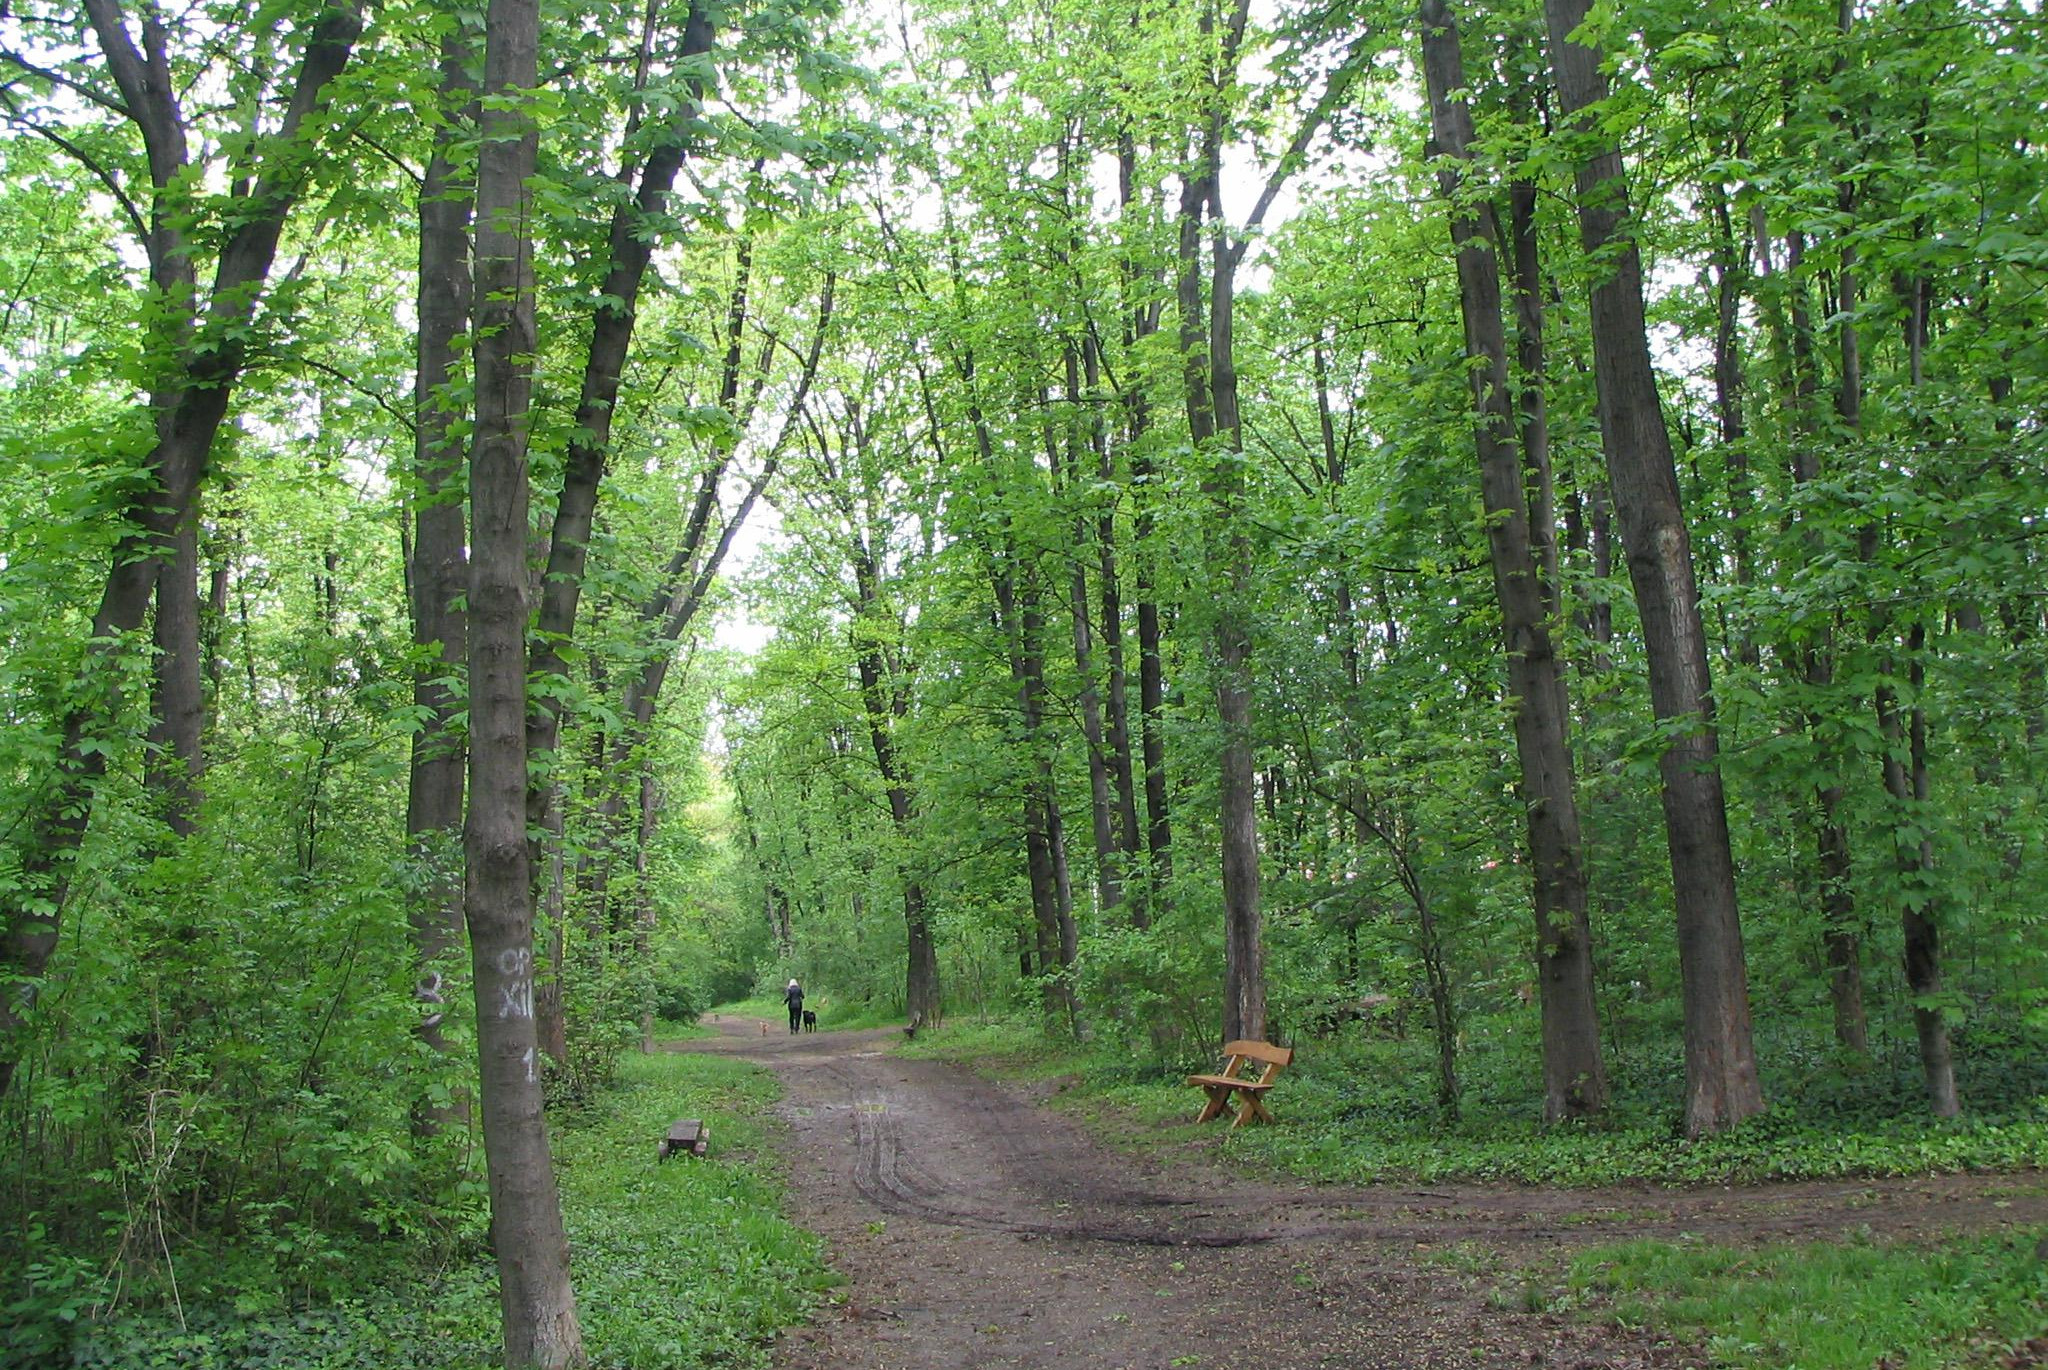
676,1002
740,1270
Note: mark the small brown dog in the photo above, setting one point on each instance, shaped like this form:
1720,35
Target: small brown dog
764,1029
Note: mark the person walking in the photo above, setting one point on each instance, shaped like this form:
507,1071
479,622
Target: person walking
794,997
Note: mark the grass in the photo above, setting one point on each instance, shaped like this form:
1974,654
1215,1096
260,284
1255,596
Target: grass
1825,1306
677,1266
1360,1110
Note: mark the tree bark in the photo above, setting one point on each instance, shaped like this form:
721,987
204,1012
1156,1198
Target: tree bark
551,971
1142,323
1044,841
1214,424
1841,926
1352,799
644,922
1209,374
1906,779
1532,406
177,758
686,581
1110,844
1729,274
527,1236
1116,693
1722,1087
1574,1075
438,569
631,248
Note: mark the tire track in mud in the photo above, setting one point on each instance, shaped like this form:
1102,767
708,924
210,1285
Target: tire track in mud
880,1170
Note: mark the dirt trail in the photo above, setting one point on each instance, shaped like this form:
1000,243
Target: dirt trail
977,1229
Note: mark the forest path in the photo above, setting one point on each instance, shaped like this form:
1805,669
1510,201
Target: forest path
978,1229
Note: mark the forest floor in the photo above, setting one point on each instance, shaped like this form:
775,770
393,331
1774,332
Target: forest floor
977,1227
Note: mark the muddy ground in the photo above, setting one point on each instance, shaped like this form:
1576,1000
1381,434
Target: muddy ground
977,1229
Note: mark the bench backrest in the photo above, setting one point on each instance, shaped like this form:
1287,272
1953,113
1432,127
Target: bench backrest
1246,1051
1260,1051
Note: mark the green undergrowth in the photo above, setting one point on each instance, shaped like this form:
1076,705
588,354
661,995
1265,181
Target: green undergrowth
1825,1306
676,1265
1363,1109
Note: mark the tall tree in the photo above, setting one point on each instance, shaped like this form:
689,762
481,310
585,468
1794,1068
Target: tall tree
1722,1087
658,137
437,570
197,354
849,490
685,582
1574,1076
1215,425
527,1235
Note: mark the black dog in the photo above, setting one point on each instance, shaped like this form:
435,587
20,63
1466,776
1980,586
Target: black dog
810,1021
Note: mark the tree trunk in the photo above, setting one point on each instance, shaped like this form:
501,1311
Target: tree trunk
177,759
1209,375
1841,927
1442,1013
1353,798
1722,1087
1116,701
532,1249
438,569
1023,628
669,612
885,706
1110,843
1045,917
1906,780
1143,322
1728,277
1210,370
1430,946
643,896
1909,784
551,974
1532,405
1841,937
1574,1076
921,1000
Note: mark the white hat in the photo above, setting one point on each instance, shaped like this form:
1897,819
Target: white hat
792,984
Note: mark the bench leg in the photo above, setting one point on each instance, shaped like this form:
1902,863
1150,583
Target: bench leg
1219,1102
1254,1107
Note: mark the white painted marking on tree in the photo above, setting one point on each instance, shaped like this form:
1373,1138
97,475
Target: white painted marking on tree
515,999
515,996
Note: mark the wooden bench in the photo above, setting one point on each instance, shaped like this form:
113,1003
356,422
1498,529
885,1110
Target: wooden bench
1219,1088
684,1134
